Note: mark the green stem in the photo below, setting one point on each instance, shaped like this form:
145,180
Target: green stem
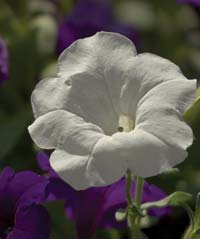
133,219
128,188
191,230
138,191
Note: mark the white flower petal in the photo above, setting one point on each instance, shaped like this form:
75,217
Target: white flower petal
152,70
144,73
151,156
71,168
100,52
61,128
90,98
141,152
160,112
48,95
107,163
91,74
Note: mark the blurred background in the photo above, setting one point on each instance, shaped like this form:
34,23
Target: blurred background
35,32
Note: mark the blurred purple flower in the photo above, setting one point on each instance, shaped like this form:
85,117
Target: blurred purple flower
21,216
3,62
95,207
195,3
89,17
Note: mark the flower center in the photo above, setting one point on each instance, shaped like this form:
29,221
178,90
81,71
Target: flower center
125,124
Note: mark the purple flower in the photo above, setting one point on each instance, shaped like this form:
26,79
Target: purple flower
21,216
87,18
195,3
3,62
95,207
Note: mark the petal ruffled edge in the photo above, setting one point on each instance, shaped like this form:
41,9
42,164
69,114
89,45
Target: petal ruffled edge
81,54
71,168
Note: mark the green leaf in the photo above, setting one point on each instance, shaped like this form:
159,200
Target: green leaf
19,7
61,227
23,52
196,237
121,214
46,29
175,199
193,230
11,131
107,234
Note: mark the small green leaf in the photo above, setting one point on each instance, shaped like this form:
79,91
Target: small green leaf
190,215
61,227
175,199
192,117
147,221
107,234
197,213
172,171
121,214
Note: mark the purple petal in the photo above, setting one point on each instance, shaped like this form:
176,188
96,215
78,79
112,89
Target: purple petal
34,195
5,177
23,182
66,35
87,18
195,3
19,234
43,163
3,62
17,190
7,206
99,11
115,194
126,30
57,189
86,210
7,212
31,223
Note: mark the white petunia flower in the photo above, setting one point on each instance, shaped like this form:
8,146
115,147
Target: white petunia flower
109,110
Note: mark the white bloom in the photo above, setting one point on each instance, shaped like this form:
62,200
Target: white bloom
103,87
